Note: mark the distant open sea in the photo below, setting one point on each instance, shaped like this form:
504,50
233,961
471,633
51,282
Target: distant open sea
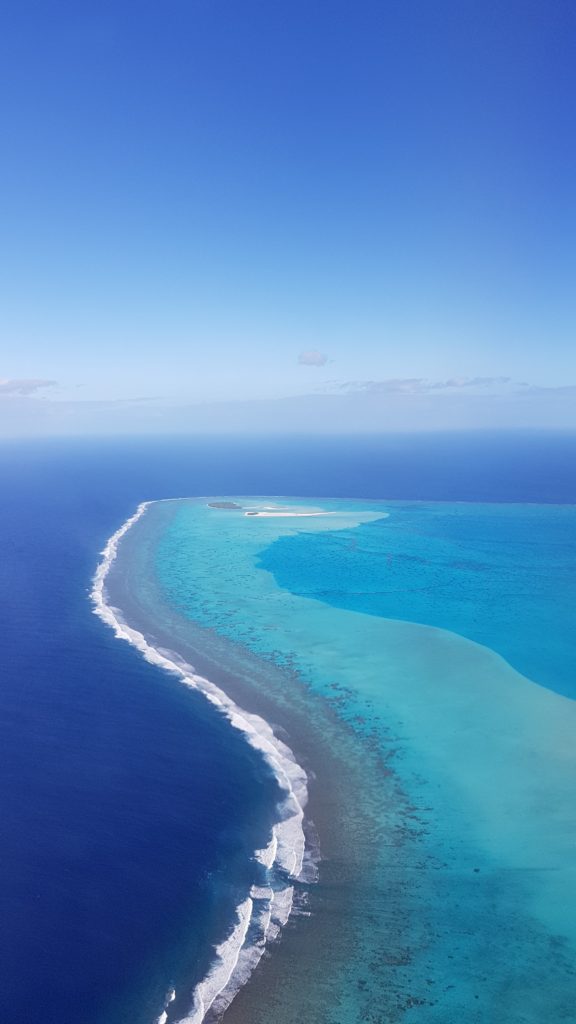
130,808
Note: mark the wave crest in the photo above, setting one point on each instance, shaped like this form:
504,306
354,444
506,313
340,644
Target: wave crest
262,914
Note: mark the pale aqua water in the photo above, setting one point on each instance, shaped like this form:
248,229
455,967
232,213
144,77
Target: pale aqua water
351,605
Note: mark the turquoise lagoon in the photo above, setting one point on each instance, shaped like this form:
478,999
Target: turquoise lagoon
420,660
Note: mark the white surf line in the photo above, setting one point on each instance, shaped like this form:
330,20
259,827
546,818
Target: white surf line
164,1016
233,963
227,956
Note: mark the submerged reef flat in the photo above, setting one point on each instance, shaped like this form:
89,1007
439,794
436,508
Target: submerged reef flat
439,778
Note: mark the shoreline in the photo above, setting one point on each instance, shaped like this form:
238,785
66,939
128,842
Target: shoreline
408,880
357,805
287,852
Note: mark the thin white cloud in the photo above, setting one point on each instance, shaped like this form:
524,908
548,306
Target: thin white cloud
560,389
313,358
355,411
392,386
423,386
472,382
25,386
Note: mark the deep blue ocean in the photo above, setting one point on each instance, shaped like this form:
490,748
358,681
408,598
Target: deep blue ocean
125,804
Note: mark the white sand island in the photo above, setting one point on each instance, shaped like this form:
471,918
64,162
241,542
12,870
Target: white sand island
276,511
287,515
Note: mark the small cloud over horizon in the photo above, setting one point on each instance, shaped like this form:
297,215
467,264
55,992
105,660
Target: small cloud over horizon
312,358
25,386
34,406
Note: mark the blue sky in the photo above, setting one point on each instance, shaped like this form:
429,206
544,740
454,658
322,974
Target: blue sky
194,193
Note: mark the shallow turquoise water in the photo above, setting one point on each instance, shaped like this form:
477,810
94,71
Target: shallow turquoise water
486,753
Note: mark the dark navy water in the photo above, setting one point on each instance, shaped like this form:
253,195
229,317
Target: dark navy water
128,808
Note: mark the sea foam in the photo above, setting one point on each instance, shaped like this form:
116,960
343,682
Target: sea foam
262,914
